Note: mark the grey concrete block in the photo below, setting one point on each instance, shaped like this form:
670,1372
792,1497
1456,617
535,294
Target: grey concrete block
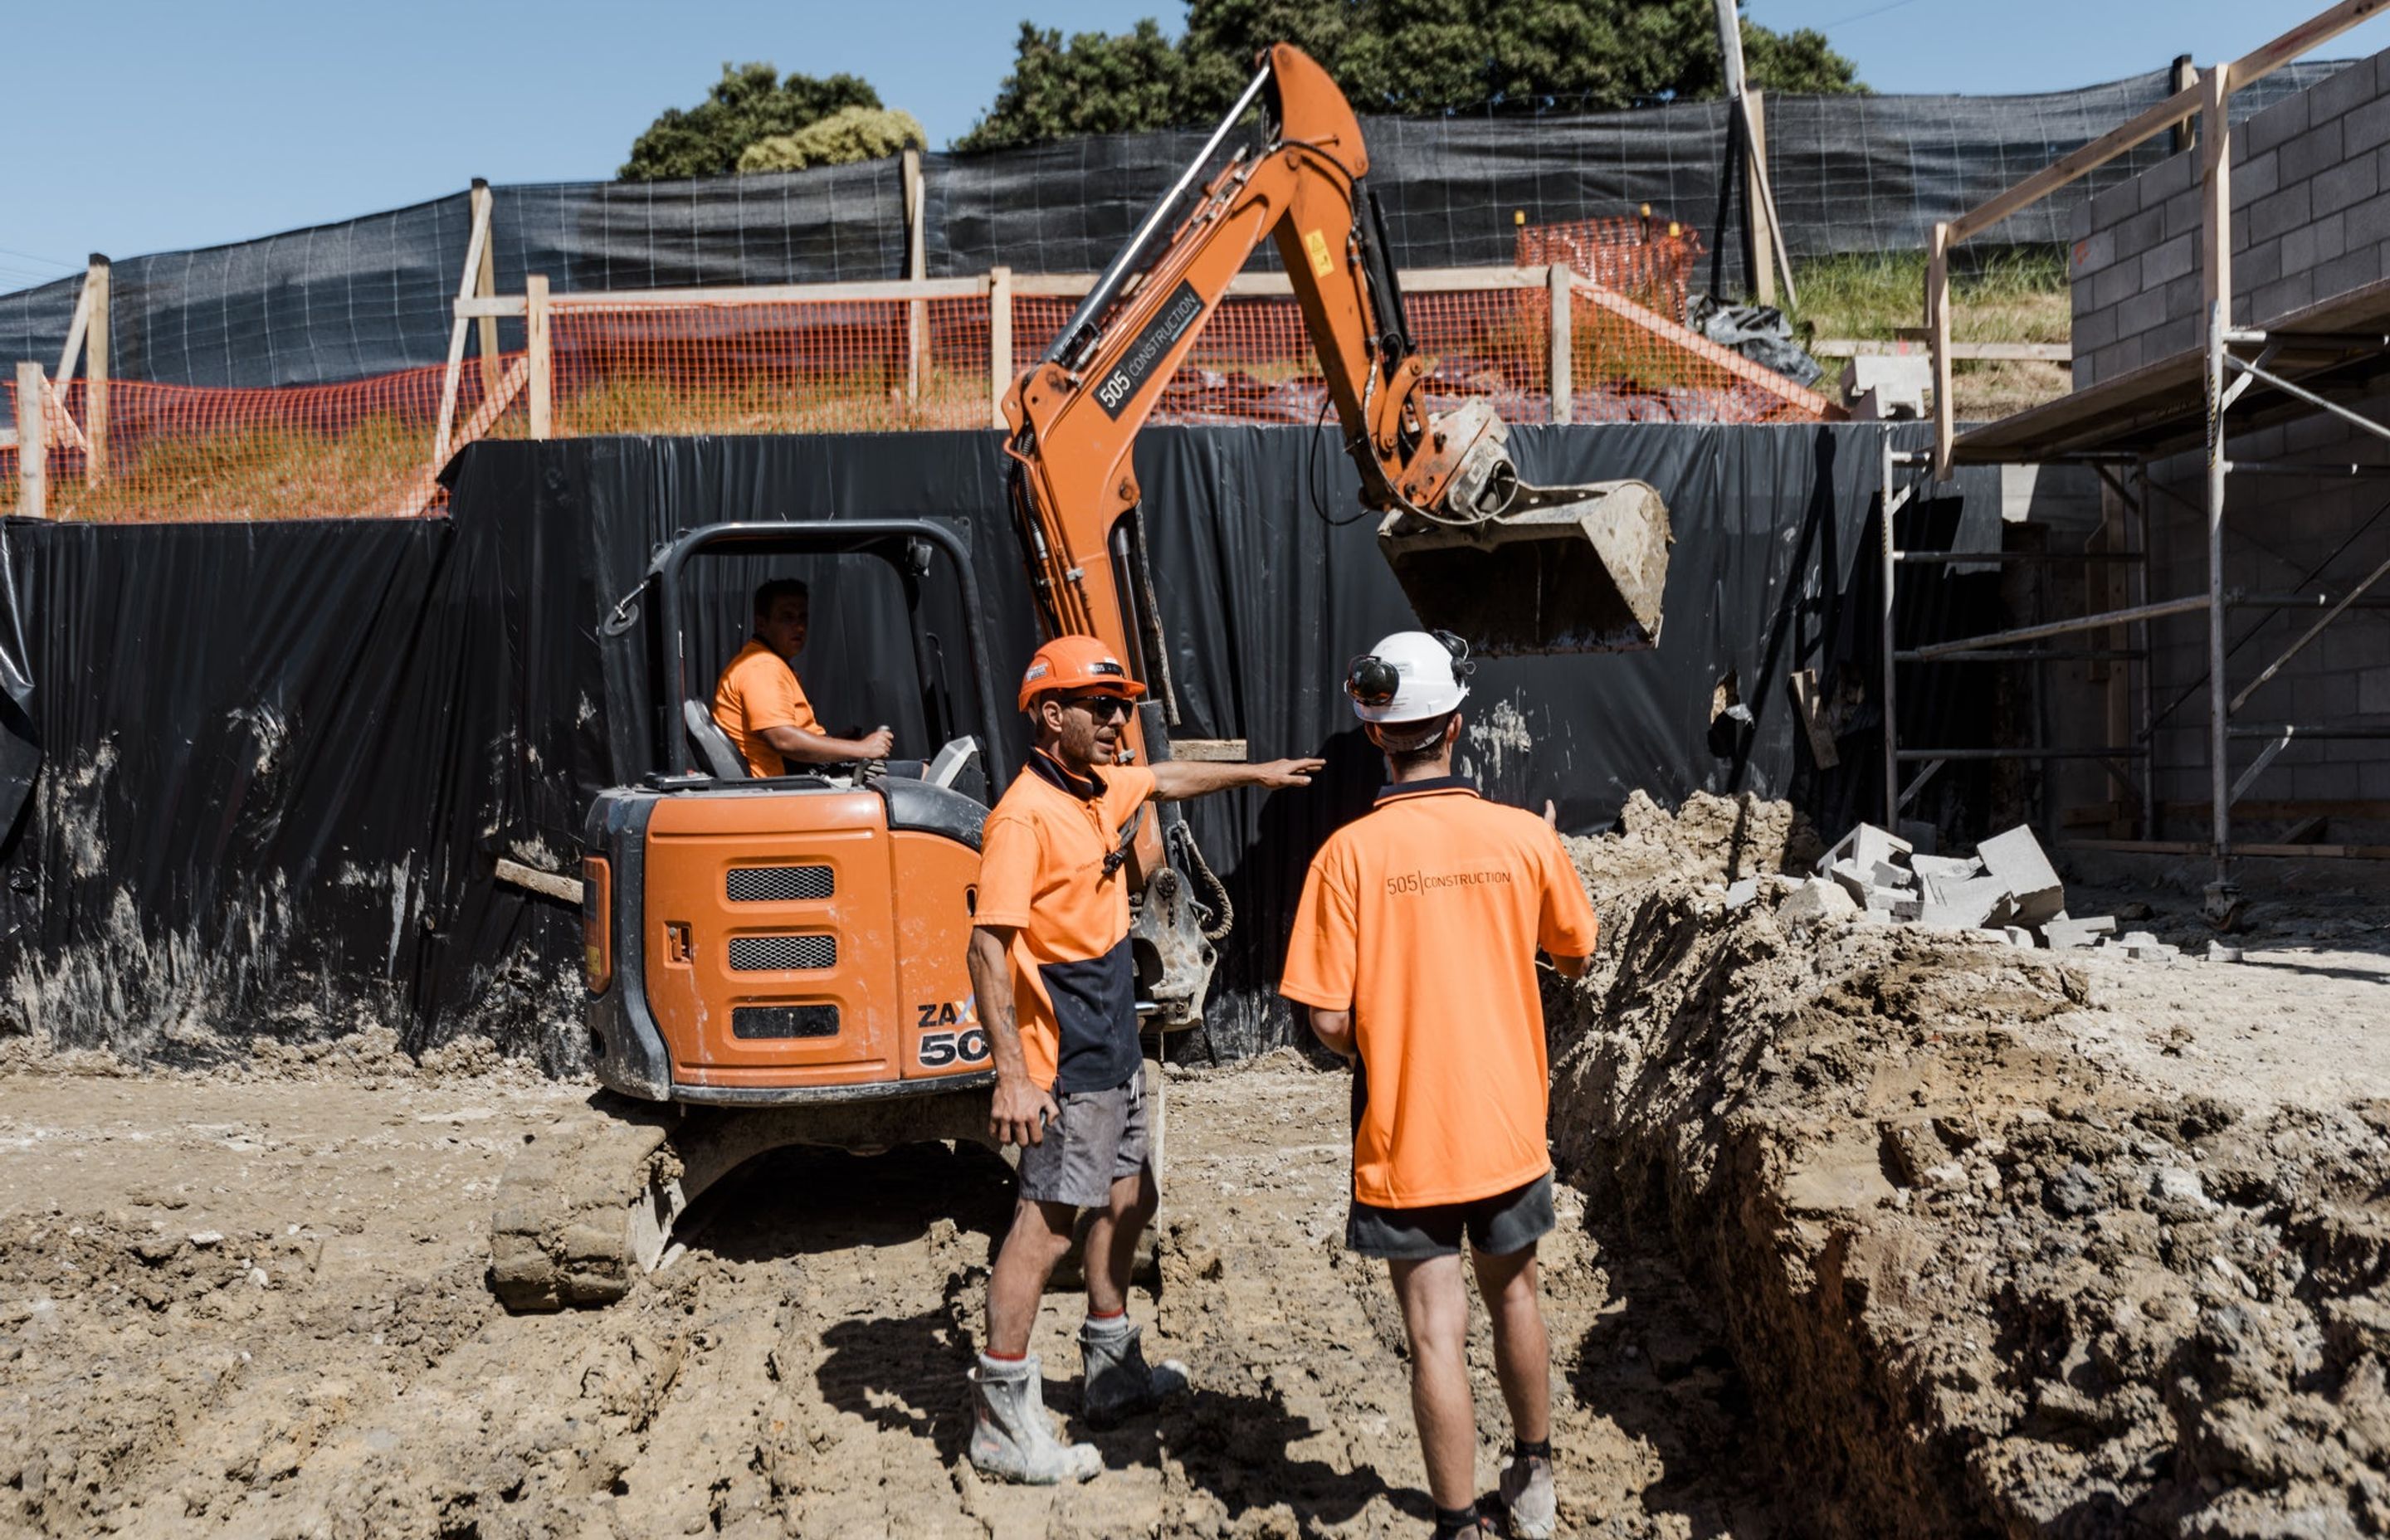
2015,858
2017,935
2321,698
2366,127
2294,292
2339,185
2064,934
2183,215
2078,224
2116,205
2311,152
2261,265
2284,121
2144,311
1970,906
2373,695
2094,253
2094,329
2255,177
2352,270
2172,175
2279,215
2331,236
2345,92
2168,261
2115,286
2369,222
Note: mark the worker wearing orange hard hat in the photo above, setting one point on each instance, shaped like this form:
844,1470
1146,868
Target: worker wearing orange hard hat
1057,992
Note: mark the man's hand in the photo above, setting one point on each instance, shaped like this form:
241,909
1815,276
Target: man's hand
1551,815
1287,772
876,744
1020,1110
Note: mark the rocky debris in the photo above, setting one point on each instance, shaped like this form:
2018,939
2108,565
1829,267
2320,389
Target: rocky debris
1979,1282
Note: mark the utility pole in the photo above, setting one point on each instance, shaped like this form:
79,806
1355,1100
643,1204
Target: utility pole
1747,157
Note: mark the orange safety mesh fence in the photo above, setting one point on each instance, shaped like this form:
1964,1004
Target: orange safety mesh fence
1650,261
798,365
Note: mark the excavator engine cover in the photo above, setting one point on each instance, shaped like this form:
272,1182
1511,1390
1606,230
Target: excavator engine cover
1578,568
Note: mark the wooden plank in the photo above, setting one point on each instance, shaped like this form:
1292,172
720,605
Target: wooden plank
77,325
1733,363
2312,33
96,283
551,884
1937,315
2215,191
540,357
2133,132
485,283
1562,349
32,441
1809,706
916,312
1756,199
1962,352
473,244
1212,750
999,342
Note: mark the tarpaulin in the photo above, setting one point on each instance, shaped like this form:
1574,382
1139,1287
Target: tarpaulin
280,762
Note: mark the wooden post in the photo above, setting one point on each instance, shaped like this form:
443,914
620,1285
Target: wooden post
540,358
1562,371
95,373
447,425
999,342
1757,198
485,284
33,442
1937,322
2216,172
917,313
2185,134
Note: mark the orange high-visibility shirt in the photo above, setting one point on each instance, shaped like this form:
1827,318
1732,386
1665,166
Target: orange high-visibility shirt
1422,917
759,690
1043,868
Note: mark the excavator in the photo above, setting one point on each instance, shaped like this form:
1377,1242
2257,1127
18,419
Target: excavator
779,961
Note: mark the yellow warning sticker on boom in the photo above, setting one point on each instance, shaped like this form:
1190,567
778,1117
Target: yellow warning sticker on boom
1321,262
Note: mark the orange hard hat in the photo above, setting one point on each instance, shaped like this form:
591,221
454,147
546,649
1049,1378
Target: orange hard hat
1077,664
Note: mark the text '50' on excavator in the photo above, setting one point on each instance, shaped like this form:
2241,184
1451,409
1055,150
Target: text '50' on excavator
780,961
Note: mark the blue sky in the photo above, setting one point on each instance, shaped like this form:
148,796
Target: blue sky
175,125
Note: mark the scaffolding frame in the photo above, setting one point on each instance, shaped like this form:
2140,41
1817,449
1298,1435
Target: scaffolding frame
2289,361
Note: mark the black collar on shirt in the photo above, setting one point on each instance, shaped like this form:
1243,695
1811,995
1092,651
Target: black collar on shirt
1056,775
1421,789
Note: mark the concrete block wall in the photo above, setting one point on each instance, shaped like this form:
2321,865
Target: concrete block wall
2311,219
2278,530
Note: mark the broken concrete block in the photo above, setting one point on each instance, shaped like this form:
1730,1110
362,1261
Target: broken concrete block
1852,878
1923,838
2218,952
2018,936
1867,844
1937,874
1815,900
1884,874
1740,894
1969,905
1894,901
2063,934
2016,859
2141,946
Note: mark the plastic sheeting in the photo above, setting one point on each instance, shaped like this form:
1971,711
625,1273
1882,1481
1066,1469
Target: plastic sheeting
279,762
368,296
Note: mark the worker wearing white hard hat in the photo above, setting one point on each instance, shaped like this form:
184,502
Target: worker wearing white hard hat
1414,947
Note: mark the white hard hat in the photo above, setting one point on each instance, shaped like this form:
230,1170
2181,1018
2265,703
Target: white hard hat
1410,676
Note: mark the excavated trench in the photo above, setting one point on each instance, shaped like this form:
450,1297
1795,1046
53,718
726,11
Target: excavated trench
1980,1278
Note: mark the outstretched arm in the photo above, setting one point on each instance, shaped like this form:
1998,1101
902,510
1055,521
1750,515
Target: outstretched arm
821,748
1174,780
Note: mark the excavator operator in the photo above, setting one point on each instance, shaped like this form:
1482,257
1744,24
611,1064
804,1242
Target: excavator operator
763,707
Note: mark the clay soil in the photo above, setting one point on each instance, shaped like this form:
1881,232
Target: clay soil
1868,1231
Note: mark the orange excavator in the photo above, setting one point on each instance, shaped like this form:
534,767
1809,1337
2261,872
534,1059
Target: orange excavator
778,961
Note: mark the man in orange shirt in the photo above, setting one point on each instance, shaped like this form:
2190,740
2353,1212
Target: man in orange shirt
1414,946
762,708
1057,990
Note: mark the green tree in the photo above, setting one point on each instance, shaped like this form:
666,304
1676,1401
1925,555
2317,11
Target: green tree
1393,56
848,135
749,102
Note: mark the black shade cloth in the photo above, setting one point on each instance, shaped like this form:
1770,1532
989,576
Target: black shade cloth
279,761
371,295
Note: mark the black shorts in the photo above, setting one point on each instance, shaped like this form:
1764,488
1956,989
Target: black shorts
1499,1226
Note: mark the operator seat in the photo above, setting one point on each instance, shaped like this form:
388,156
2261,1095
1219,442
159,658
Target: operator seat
713,743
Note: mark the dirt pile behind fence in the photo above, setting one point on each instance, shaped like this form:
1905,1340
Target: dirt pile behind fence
1978,1282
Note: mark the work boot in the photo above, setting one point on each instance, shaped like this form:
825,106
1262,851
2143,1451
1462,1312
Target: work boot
1013,1436
1120,1383
1527,1496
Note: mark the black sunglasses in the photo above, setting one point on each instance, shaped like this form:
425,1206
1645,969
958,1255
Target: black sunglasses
1100,706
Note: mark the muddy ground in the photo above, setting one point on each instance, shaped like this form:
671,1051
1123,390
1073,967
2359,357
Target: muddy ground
1872,1232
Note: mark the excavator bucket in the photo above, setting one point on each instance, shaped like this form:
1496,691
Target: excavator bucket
1578,568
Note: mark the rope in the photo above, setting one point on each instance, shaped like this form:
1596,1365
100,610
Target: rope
1203,869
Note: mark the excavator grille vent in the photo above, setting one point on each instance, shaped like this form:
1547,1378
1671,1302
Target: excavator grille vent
784,1021
778,884
775,954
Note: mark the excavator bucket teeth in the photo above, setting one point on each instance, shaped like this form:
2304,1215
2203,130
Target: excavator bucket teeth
1563,570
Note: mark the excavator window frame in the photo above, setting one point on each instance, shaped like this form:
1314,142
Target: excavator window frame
889,540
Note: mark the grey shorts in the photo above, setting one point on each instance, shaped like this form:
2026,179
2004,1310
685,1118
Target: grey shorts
1099,1138
1499,1226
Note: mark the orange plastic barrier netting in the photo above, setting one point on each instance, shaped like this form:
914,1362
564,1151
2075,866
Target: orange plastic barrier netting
825,365
1650,262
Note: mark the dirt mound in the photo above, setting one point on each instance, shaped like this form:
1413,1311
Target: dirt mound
1708,840
1977,1282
